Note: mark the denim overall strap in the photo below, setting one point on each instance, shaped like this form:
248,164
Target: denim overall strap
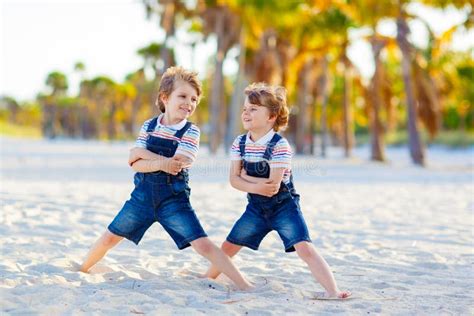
242,145
179,134
152,125
268,152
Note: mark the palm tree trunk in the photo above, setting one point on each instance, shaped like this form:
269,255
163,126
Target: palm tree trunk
302,101
347,113
416,148
377,145
313,126
111,128
168,20
237,96
216,101
324,91
135,105
49,120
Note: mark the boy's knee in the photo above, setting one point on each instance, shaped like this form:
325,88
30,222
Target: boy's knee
203,246
229,248
305,250
109,240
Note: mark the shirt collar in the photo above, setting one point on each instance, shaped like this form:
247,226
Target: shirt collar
176,126
263,140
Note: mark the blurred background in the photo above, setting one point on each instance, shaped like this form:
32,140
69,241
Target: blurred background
358,72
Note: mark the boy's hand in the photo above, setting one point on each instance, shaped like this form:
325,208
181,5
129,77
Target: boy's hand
133,156
268,188
173,165
243,174
186,161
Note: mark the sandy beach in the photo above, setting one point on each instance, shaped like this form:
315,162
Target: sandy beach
398,236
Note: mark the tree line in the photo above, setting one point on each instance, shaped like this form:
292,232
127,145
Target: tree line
301,45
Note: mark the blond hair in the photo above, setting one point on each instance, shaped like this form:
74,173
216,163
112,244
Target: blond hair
273,98
168,83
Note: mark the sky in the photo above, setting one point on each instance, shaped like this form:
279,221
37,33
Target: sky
38,37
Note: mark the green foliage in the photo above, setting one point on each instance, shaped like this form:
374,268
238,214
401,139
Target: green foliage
22,131
299,30
57,82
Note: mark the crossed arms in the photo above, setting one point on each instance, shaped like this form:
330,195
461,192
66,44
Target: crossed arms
143,160
240,180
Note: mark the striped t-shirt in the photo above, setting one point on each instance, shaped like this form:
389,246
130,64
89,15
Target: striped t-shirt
254,151
188,145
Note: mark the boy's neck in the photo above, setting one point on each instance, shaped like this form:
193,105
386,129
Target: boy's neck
166,120
255,135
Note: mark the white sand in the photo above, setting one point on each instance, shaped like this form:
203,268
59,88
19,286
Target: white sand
399,237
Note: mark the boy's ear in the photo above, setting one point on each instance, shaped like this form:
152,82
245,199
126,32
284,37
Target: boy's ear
272,118
163,97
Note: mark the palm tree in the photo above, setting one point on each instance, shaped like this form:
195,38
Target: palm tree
79,67
220,21
265,46
348,130
57,82
415,145
152,57
142,100
377,129
12,107
237,95
368,14
168,12
104,92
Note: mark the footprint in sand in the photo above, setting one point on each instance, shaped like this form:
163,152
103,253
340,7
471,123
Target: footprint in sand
401,288
100,269
381,285
73,266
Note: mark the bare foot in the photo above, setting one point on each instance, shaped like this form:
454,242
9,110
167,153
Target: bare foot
338,295
344,294
249,288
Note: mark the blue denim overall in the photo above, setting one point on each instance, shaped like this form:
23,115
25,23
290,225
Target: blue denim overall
160,197
263,214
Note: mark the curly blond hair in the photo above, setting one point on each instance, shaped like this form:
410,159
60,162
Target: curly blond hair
272,97
169,79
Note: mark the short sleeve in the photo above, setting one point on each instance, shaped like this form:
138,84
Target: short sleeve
143,135
281,156
189,145
235,149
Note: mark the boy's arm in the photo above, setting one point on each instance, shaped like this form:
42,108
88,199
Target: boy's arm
266,188
187,162
169,165
143,160
148,165
137,153
276,176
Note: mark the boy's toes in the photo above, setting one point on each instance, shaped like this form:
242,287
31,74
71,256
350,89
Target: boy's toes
344,294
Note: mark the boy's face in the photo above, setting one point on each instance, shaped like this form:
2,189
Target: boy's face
256,117
182,102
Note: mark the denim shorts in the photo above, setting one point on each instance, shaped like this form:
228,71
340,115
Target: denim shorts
163,199
281,213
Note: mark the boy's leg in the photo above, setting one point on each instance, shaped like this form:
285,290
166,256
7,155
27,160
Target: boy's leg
107,241
319,269
229,249
221,261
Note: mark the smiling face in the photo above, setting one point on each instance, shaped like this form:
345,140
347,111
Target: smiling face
256,118
181,103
